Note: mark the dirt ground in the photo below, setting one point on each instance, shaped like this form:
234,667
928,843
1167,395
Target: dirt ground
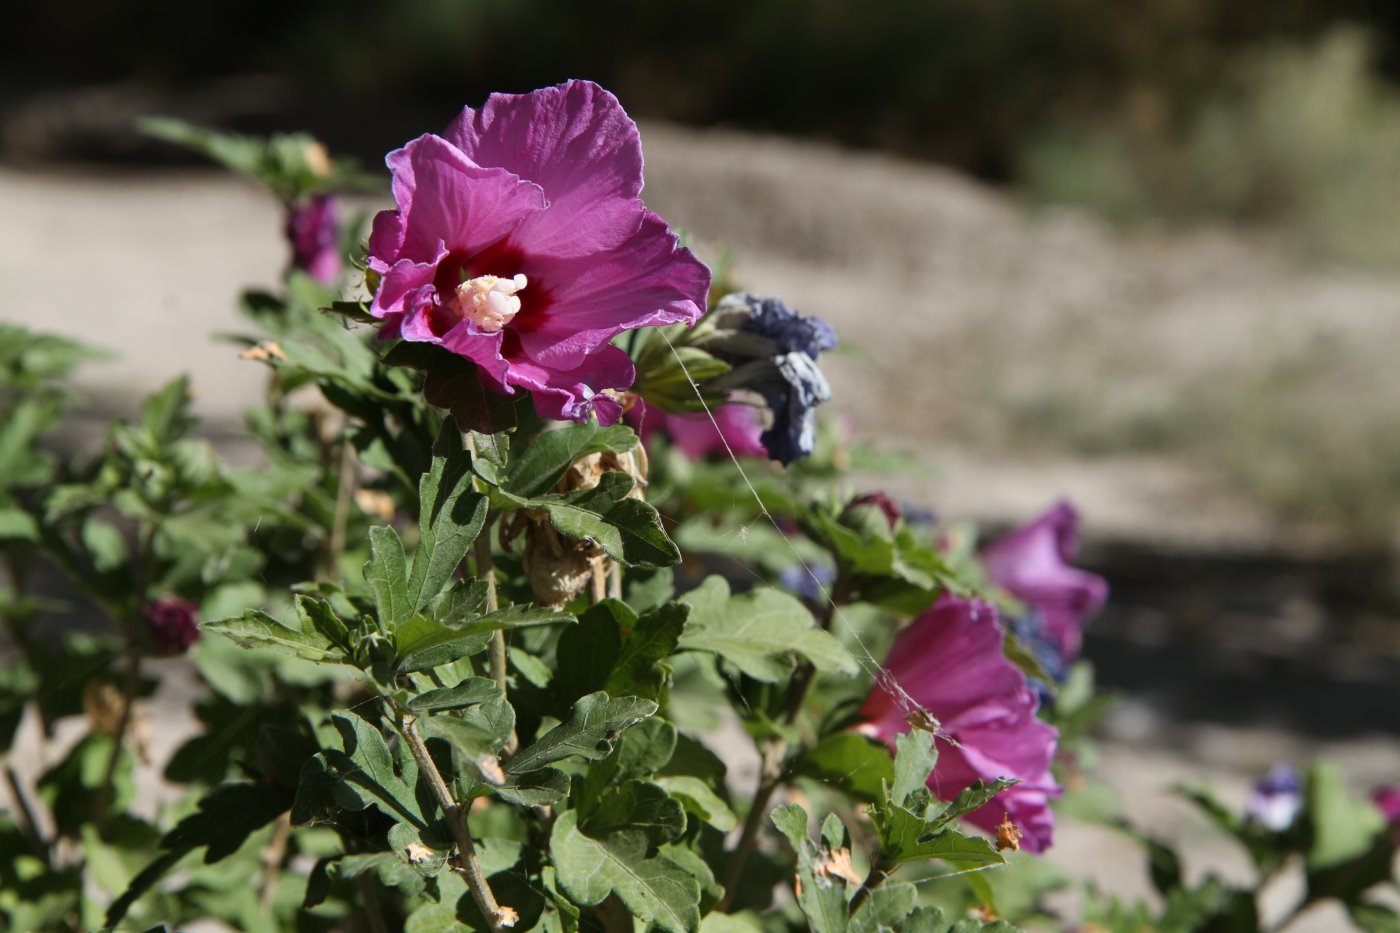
1000,346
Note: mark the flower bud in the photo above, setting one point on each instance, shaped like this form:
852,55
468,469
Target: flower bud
173,625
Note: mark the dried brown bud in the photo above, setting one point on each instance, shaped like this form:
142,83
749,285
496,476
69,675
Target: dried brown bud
1008,834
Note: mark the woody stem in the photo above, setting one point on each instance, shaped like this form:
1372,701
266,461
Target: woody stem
456,822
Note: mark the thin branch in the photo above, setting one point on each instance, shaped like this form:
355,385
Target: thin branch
28,824
344,491
877,876
273,857
471,872
370,895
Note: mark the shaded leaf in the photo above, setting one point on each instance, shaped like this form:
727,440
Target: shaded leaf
594,724
655,890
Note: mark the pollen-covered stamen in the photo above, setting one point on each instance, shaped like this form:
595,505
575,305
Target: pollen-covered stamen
489,302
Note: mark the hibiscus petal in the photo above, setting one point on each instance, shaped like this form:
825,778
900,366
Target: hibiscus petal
572,394
649,280
577,143
445,198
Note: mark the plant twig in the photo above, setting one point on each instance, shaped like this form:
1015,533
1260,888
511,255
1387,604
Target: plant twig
877,876
273,857
27,823
344,490
599,577
369,894
457,822
131,680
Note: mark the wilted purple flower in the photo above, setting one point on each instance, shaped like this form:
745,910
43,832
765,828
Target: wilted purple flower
1277,798
695,435
1031,563
174,626
520,243
949,660
313,229
774,352
769,317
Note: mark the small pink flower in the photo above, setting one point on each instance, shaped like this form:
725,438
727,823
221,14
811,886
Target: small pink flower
1032,564
695,435
174,627
520,243
949,660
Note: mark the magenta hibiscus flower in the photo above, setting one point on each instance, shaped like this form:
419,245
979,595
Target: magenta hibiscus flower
695,435
1032,564
950,661
520,243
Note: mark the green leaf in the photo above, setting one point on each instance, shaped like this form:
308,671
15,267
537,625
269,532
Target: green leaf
639,671
450,517
914,759
368,778
637,805
165,413
700,799
974,797
594,724
316,615
759,631
386,572
257,629
469,692
655,890
629,530
226,817
476,731
17,524
423,643
823,898
856,764
538,467
451,382
592,648
391,870
1342,828
105,544
543,788
1374,918
906,836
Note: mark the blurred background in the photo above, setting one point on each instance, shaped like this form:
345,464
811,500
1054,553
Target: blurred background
1141,255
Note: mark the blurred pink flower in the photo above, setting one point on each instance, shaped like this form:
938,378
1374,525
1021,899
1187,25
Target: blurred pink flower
519,242
1032,564
950,662
695,435
1387,800
313,229
174,626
